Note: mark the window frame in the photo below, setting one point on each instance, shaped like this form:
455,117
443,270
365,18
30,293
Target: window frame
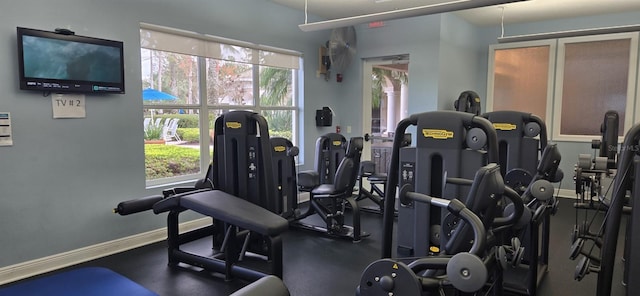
630,115
550,72
205,108
556,72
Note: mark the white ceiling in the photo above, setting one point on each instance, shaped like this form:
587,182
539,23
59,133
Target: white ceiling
518,12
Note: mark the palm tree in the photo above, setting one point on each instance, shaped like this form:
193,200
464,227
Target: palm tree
275,86
275,90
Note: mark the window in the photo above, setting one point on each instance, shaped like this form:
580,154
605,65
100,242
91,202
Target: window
522,78
595,74
591,74
190,79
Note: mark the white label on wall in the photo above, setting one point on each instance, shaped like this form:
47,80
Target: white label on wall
68,106
5,129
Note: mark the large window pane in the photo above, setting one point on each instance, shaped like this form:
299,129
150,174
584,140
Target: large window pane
275,87
280,123
521,79
595,80
229,83
171,73
172,143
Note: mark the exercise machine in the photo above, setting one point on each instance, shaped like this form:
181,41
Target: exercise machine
531,233
449,145
371,174
519,149
329,200
445,141
240,196
464,271
283,154
592,171
330,149
603,263
526,157
468,101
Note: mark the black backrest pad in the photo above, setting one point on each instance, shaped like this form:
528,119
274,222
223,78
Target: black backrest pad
347,171
354,151
330,149
487,189
549,161
284,173
242,158
609,131
516,149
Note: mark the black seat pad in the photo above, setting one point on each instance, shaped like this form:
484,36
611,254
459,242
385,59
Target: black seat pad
234,210
377,177
324,189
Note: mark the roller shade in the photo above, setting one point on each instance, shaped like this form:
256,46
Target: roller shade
202,45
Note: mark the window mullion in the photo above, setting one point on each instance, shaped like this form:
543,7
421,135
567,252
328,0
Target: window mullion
256,86
204,114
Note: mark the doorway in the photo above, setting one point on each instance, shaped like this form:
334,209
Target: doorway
385,100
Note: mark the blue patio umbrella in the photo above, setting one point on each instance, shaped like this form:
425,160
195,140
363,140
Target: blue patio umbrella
150,94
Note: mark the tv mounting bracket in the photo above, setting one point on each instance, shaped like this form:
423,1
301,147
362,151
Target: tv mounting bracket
64,31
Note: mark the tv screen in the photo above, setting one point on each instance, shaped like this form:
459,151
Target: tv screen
60,63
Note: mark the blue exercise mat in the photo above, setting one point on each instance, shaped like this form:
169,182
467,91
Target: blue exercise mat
93,281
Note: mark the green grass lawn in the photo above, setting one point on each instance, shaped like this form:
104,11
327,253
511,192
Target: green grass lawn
162,161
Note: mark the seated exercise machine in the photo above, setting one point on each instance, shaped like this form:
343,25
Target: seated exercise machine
625,184
330,149
239,195
525,157
449,144
461,270
327,200
376,181
529,256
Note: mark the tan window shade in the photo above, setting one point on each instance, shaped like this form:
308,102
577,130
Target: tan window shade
184,42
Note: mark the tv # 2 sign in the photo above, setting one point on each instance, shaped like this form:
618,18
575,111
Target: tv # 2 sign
68,106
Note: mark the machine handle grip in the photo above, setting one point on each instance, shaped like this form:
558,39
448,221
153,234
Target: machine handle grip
137,205
457,208
518,204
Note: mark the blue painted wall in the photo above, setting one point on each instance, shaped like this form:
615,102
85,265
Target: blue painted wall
62,177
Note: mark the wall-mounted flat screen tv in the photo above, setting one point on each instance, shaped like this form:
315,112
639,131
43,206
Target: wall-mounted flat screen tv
65,63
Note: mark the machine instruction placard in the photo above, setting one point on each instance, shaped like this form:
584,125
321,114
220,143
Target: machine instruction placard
5,129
